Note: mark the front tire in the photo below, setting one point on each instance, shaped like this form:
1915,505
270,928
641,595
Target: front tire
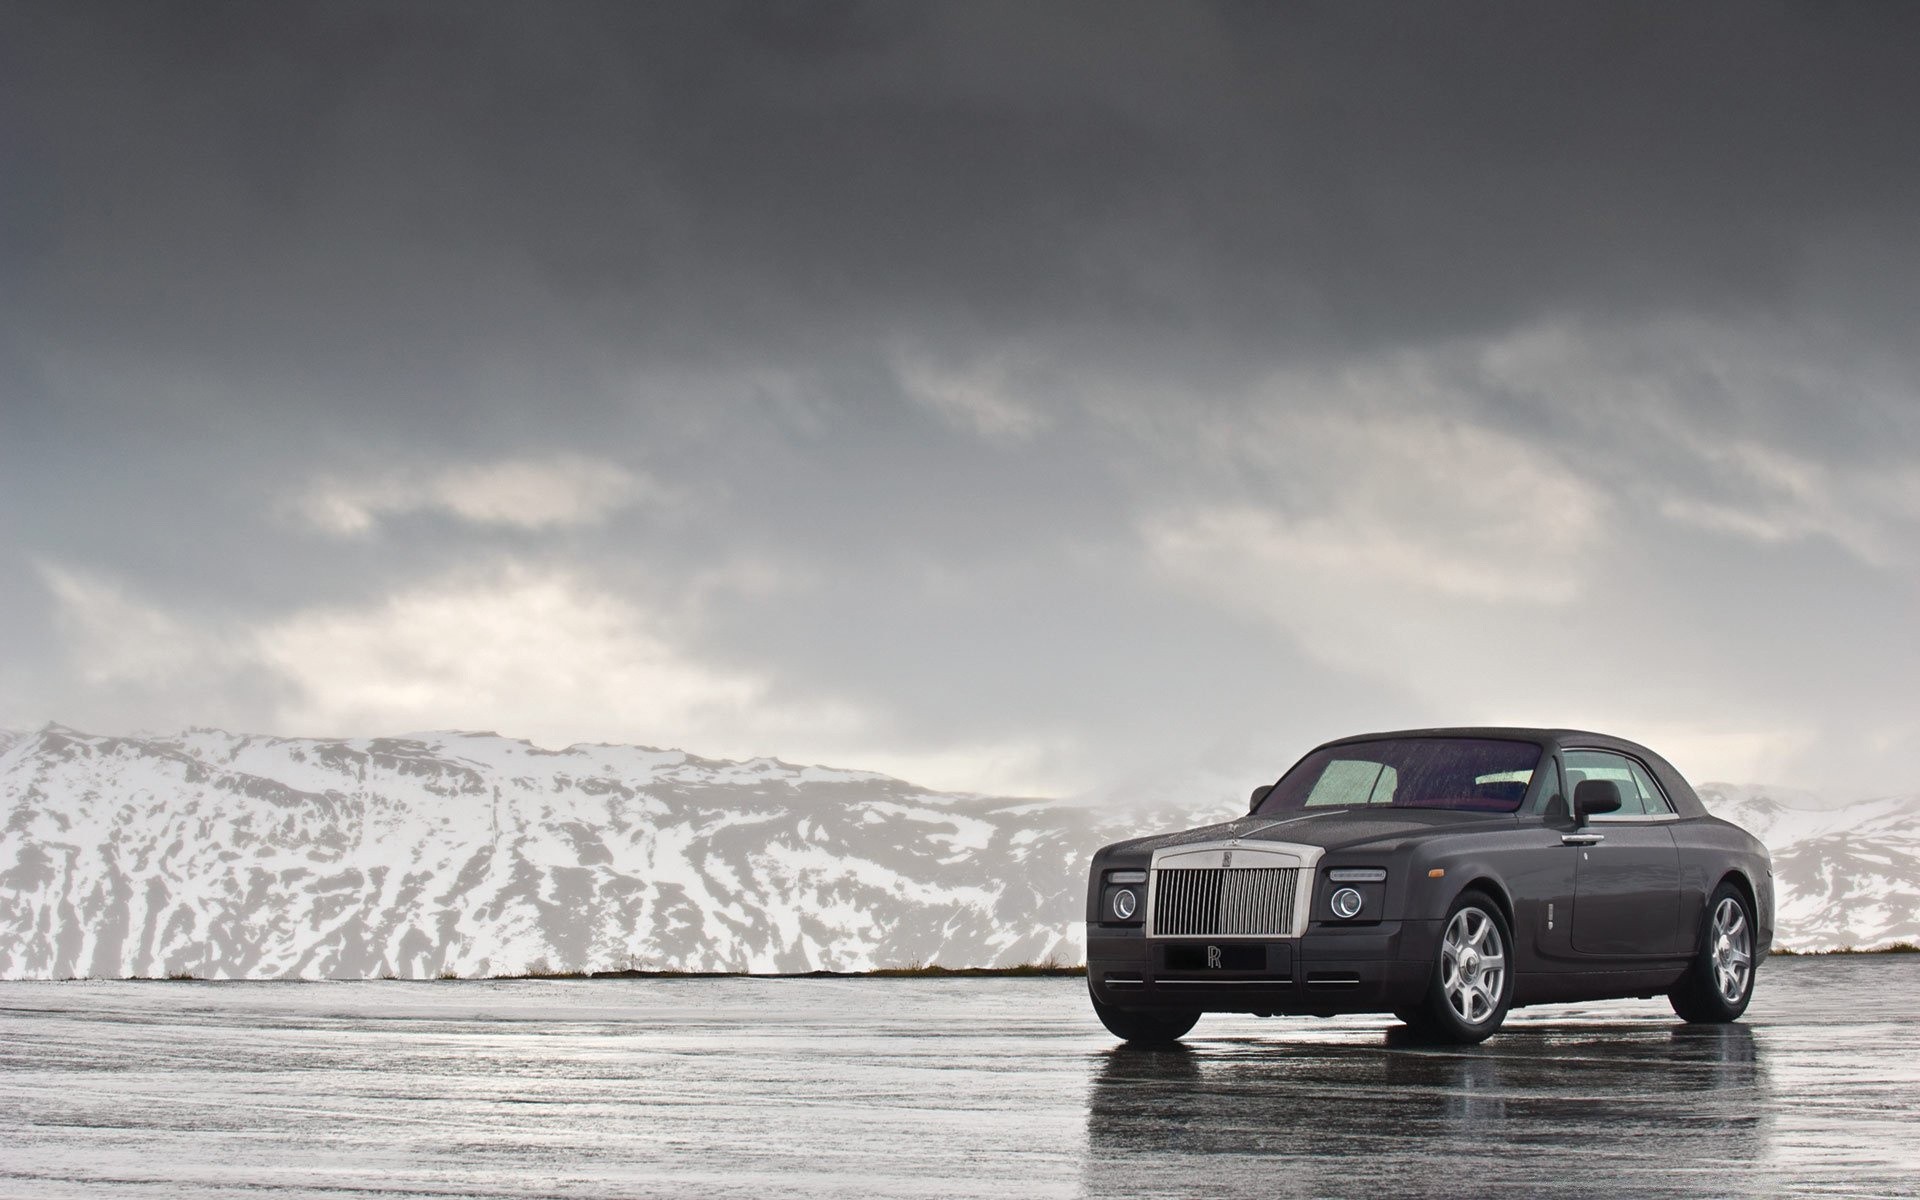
1471,988
1144,1028
1719,984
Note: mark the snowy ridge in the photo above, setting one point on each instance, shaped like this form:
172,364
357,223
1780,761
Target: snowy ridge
224,855
220,855
1845,876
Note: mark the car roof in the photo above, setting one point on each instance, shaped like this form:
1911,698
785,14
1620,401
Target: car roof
1509,733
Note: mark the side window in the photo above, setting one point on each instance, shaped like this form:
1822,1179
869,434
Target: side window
1598,764
1353,781
1650,794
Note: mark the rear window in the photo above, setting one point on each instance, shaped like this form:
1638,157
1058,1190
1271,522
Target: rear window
1467,774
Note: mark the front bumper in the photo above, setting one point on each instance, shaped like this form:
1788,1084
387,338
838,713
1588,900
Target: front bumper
1379,968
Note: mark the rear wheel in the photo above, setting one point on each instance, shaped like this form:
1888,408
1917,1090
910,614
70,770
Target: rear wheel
1144,1028
1472,983
1717,987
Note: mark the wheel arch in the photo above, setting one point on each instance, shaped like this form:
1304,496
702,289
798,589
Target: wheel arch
1489,886
1743,885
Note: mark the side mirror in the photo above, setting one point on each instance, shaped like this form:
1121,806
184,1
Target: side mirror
1593,797
1259,795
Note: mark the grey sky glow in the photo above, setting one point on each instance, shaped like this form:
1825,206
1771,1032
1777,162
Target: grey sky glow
1089,400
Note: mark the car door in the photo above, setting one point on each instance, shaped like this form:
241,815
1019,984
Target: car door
1626,898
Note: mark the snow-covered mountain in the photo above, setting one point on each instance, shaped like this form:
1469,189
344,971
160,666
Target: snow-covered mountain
221,855
1846,876
225,856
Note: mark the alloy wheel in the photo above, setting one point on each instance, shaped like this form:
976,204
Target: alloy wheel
1475,965
1732,950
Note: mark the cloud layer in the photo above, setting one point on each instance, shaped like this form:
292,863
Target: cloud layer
1107,401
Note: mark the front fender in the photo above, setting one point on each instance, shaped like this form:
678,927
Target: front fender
1430,896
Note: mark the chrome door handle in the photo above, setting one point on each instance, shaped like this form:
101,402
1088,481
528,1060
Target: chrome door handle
1582,839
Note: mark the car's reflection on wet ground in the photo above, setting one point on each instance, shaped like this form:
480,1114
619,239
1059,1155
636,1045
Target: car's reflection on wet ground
1818,1092
1632,1110
957,1087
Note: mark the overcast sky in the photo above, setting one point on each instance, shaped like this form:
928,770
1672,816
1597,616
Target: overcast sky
1105,402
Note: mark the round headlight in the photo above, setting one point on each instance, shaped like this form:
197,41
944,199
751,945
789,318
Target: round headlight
1346,903
1125,903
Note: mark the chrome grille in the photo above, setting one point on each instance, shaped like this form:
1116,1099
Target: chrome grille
1217,902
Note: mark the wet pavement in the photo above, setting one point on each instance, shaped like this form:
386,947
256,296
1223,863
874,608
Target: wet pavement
936,1088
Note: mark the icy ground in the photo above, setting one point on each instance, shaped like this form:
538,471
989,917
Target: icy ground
760,1088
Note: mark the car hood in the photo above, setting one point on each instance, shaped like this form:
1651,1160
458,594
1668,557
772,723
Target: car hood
1332,829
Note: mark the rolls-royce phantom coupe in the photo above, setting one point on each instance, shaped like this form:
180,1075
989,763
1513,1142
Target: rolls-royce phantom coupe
1444,876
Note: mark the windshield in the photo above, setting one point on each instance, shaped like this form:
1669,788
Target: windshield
1468,774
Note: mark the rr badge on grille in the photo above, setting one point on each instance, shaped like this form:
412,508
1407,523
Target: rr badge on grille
1226,859
1213,958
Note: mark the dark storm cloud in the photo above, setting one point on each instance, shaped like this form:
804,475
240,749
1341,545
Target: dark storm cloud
928,317
286,186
